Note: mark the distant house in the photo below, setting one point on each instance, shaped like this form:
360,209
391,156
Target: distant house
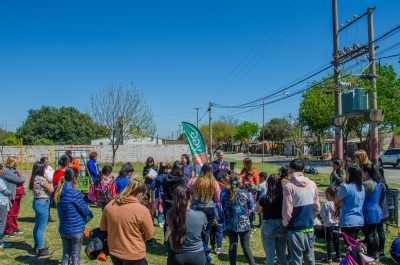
144,141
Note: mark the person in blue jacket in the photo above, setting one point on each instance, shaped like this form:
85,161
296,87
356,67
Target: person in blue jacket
92,166
73,213
124,176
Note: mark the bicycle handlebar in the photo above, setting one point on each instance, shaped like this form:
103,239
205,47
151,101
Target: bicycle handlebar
350,241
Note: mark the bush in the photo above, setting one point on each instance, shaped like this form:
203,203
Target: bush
305,157
43,141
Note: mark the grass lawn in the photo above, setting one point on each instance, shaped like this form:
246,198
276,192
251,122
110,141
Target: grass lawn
21,252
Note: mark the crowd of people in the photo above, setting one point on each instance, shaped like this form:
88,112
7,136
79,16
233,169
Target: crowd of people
197,208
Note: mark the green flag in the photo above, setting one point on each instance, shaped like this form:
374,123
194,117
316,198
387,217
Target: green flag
196,143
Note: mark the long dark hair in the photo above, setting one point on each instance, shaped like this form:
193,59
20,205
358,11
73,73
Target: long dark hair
177,169
178,217
127,168
104,171
274,189
71,173
338,163
149,159
355,175
162,167
284,171
187,159
373,172
38,170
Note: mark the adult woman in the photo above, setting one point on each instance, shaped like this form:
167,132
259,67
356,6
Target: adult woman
371,208
188,168
92,166
125,175
361,158
128,224
174,179
64,162
150,167
273,233
337,175
236,203
102,191
42,189
73,214
15,183
205,192
351,196
249,169
185,227
347,162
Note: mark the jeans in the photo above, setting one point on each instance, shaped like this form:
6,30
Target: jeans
216,234
352,232
41,208
72,245
159,217
274,237
244,242
371,237
332,240
381,237
210,214
118,261
186,258
3,217
301,246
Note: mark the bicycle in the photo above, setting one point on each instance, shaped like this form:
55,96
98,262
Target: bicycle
352,243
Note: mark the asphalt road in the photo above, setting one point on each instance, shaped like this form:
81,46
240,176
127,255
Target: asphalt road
391,174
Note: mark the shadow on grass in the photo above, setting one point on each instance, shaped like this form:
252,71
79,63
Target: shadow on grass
35,260
24,246
26,219
239,258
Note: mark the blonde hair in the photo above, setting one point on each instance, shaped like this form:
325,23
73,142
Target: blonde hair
363,157
235,180
12,161
133,188
248,165
57,194
204,187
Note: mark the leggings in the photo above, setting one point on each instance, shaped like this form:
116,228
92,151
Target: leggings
72,245
118,261
352,231
210,214
381,237
186,258
371,238
244,242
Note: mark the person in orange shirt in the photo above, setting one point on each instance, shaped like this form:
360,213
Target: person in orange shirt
249,169
74,161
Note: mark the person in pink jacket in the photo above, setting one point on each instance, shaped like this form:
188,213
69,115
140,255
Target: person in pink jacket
300,206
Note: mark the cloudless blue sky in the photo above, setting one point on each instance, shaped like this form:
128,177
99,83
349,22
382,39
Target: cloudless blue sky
182,54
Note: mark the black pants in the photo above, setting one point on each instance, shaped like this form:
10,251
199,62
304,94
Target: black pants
381,237
210,214
332,240
353,233
166,207
186,258
244,242
371,238
118,261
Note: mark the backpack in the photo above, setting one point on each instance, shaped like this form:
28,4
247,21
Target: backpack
100,193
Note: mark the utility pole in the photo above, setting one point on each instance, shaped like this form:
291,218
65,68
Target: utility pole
374,152
262,157
210,129
179,130
172,136
336,78
197,111
177,135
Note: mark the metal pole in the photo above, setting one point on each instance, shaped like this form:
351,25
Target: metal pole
262,157
336,78
197,115
210,129
172,136
180,130
374,149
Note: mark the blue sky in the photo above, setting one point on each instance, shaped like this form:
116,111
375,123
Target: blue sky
182,54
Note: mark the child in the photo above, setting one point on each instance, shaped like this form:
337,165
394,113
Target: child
4,208
146,202
249,188
395,249
216,232
156,185
331,223
262,190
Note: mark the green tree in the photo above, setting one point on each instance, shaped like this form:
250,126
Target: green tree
276,131
11,140
61,126
43,141
123,112
245,132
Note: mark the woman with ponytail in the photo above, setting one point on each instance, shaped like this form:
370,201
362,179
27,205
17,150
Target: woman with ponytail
128,224
102,191
236,203
184,231
371,208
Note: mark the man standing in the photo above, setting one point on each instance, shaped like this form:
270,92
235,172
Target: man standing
49,171
300,206
221,167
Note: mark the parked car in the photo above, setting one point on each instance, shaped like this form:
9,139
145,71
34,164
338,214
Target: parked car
390,157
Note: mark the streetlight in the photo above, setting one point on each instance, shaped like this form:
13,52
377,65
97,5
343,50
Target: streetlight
283,94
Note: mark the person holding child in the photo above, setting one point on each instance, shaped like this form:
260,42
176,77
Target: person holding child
337,175
4,207
330,216
73,214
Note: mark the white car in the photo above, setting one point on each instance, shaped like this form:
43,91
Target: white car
390,157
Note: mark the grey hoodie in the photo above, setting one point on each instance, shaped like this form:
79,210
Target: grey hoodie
11,179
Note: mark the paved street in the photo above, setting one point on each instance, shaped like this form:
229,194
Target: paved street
391,174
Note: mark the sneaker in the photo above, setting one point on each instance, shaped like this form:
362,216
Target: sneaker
5,245
45,252
150,242
220,251
13,234
326,260
19,231
382,254
337,259
160,225
212,249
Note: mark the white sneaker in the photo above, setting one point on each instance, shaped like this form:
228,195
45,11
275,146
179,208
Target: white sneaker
161,225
